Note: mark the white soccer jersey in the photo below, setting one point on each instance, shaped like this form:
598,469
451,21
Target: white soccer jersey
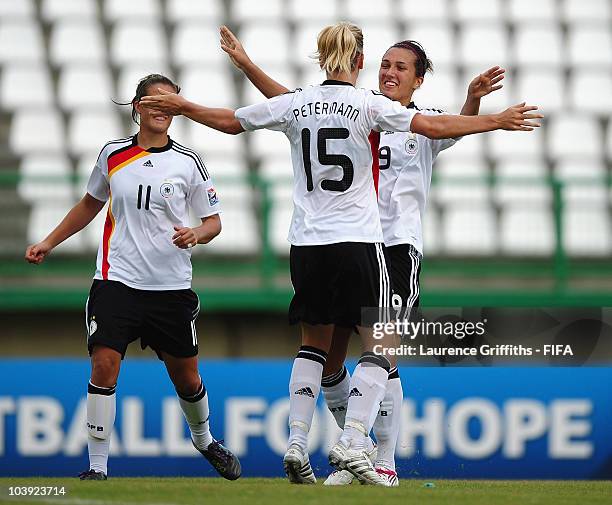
405,161
150,192
328,126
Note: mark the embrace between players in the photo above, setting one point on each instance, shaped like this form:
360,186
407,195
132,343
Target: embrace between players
356,242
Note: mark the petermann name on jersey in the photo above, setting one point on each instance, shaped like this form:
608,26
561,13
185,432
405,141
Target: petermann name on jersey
326,108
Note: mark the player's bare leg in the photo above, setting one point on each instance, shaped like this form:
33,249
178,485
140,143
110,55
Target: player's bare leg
193,399
304,387
101,408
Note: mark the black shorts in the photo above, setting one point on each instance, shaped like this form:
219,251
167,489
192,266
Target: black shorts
337,283
404,268
116,315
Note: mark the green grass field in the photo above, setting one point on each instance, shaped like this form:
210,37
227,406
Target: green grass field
179,491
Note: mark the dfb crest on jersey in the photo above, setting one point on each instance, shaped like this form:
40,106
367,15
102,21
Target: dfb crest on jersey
166,189
412,145
212,196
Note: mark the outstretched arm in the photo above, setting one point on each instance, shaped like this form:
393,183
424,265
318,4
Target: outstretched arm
176,105
79,216
482,85
238,56
515,118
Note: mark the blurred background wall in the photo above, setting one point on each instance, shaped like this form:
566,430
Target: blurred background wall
513,218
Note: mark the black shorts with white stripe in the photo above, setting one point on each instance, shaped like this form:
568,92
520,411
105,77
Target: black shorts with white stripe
117,315
338,283
404,268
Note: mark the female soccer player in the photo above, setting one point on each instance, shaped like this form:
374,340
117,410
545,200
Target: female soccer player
337,261
142,284
403,186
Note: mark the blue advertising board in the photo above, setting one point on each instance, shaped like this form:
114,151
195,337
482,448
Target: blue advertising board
544,423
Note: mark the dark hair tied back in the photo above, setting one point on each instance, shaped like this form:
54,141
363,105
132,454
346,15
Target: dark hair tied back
141,90
423,63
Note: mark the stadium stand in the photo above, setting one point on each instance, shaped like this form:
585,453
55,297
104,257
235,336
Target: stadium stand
62,61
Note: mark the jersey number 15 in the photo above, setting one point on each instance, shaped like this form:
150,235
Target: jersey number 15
327,159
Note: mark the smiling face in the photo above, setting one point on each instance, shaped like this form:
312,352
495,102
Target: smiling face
397,75
154,121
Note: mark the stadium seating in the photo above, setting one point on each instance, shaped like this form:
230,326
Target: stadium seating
21,41
77,83
187,10
520,11
470,10
483,44
541,87
52,11
313,10
579,10
415,10
23,85
196,43
12,9
75,41
63,61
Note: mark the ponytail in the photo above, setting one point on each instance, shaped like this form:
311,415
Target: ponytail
339,46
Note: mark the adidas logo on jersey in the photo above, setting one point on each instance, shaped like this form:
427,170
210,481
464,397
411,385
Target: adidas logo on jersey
305,391
147,164
355,392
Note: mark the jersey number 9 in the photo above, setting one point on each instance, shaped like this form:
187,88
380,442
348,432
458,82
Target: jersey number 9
384,155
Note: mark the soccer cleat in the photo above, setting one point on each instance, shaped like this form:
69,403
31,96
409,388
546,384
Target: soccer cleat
92,475
356,462
297,466
389,476
339,478
344,477
222,459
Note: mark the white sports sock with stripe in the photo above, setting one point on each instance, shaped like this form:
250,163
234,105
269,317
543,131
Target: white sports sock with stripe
335,389
304,387
367,389
101,408
387,425
195,409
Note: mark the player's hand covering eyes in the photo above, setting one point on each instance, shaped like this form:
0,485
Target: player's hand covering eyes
518,117
167,102
485,83
232,46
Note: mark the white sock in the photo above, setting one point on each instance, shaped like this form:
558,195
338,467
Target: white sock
304,387
387,424
101,408
195,409
335,389
367,390
336,397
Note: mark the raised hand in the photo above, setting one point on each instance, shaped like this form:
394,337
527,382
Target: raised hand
37,253
167,102
517,118
232,46
486,83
